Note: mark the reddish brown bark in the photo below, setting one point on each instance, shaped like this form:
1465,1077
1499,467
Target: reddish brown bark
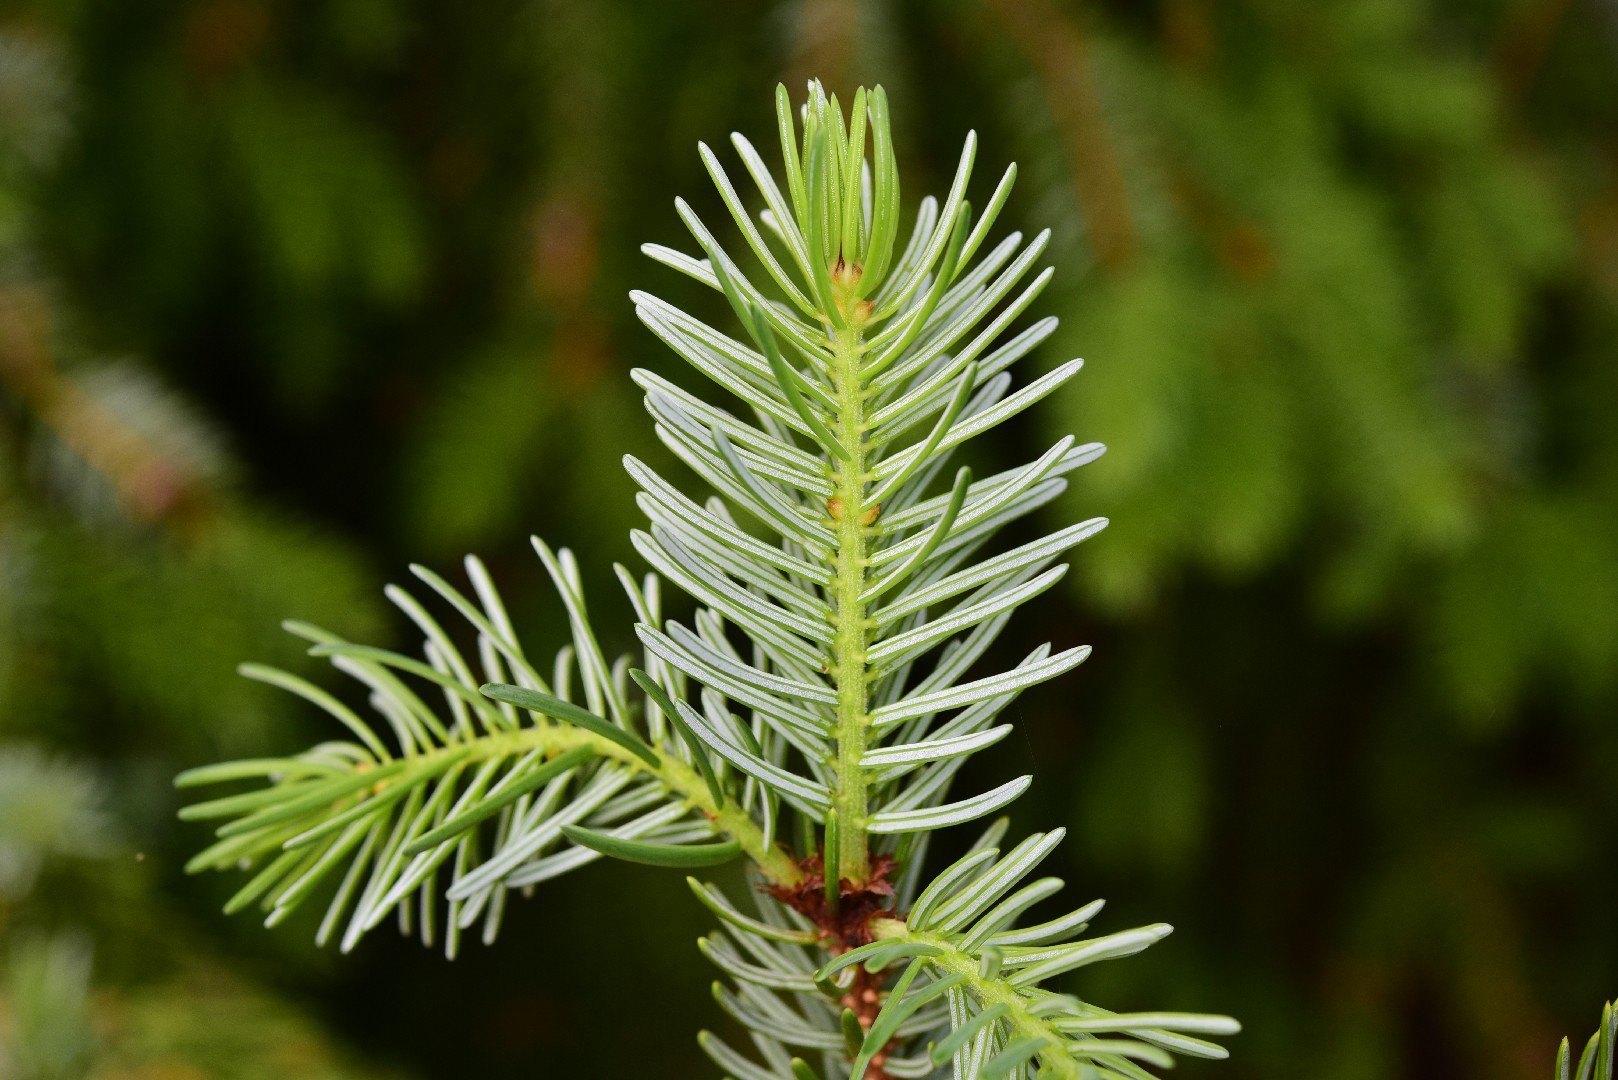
848,927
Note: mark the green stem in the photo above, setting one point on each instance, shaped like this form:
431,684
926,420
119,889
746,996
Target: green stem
852,626
1053,1058
554,738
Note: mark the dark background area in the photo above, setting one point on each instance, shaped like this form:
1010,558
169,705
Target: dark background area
292,294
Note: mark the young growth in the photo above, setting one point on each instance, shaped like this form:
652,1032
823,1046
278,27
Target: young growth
812,714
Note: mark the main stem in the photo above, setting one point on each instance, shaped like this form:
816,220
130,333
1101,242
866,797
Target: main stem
853,705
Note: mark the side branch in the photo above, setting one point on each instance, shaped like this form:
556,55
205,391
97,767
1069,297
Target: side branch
310,802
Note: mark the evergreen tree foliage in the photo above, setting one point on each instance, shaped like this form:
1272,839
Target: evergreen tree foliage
121,518
1346,278
827,684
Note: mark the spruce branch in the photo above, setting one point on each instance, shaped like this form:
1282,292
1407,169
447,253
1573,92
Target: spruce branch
826,689
488,782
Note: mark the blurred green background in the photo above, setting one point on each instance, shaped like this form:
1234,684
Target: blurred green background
292,293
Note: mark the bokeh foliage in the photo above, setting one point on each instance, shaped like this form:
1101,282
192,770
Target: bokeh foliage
290,292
